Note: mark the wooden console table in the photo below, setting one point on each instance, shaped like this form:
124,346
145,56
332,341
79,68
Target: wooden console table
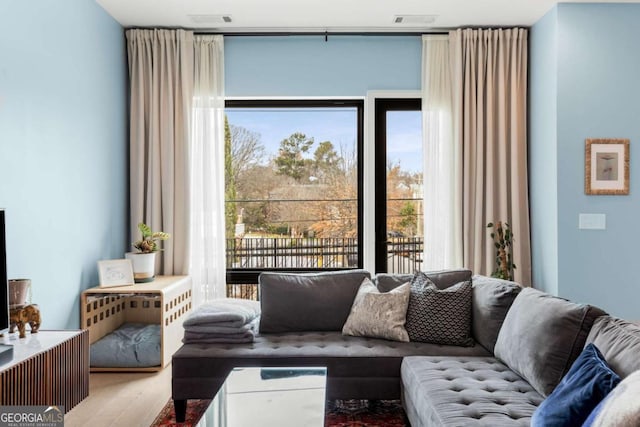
48,368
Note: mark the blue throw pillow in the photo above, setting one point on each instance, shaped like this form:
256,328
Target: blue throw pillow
588,381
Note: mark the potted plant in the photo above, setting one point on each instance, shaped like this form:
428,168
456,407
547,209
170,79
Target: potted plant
144,261
503,242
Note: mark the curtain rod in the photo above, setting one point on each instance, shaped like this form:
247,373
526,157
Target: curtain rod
324,33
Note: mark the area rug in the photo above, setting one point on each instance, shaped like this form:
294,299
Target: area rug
365,413
339,413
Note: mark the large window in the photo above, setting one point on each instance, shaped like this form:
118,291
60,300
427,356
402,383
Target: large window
293,179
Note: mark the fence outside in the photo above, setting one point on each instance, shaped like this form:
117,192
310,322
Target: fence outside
404,256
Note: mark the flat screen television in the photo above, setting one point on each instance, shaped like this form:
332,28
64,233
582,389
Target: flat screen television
4,285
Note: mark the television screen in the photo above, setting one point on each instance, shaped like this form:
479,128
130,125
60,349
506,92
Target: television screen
4,291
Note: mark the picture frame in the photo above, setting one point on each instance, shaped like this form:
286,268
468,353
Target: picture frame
606,166
115,272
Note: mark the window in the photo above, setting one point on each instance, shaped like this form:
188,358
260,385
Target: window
399,187
293,180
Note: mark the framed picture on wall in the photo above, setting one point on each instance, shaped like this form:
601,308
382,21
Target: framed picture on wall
606,166
115,272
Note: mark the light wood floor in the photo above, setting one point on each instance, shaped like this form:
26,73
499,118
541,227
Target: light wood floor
122,399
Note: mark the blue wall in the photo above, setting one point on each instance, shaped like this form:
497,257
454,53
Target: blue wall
543,180
598,88
309,66
63,148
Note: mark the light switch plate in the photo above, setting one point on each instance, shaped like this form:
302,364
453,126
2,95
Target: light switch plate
592,221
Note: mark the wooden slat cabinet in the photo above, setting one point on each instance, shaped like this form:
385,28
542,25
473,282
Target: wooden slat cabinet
165,301
50,368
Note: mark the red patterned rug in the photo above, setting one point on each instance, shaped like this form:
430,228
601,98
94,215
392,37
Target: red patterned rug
340,413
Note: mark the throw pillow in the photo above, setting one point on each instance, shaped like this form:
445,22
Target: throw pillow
619,342
621,408
588,381
542,335
292,302
378,315
442,279
439,316
492,299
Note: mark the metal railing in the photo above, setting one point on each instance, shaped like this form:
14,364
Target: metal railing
404,256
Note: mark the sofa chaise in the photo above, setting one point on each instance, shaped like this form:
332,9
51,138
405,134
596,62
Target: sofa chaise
525,341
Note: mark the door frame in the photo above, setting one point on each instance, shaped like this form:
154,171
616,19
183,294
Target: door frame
369,162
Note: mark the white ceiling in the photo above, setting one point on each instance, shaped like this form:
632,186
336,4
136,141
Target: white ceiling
329,15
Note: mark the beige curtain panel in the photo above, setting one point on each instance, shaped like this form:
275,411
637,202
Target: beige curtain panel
161,81
491,78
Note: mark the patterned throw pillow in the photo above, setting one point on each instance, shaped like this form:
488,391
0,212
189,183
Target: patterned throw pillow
439,316
379,315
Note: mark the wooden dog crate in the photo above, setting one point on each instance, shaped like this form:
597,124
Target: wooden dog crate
165,301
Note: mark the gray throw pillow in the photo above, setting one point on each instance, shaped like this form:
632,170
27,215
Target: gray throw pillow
492,299
292,302
541,337
439,316
619,342
441,278
378,315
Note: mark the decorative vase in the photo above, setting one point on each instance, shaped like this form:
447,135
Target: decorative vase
19,292
144,266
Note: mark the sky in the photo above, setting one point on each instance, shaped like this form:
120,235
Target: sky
337,125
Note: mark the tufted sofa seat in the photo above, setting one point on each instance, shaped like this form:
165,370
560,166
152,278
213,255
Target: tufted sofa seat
364,368
466,391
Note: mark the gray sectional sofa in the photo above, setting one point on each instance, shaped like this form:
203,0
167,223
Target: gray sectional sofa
525,341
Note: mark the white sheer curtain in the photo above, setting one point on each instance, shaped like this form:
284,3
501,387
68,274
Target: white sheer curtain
207,266
442,158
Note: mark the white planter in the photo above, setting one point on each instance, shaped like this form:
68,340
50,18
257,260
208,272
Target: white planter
144,266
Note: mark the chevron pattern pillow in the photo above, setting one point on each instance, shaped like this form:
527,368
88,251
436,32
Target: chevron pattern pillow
439,316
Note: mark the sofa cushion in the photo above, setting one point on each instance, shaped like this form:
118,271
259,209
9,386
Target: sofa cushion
307,302
542,335
587,383
469,391
442,279
379,315
621,408
492,299
199,369
439,316
619,342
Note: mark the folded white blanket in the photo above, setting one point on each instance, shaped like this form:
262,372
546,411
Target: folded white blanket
226,312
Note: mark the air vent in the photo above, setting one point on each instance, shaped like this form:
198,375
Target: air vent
210,19
414,19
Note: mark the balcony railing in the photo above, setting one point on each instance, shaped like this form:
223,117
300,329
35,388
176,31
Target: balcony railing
404,255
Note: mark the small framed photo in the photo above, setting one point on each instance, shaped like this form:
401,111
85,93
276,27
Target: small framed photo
606,166
115,272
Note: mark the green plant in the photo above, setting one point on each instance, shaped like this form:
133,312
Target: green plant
503,242
150,239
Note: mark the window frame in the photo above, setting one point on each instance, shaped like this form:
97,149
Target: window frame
381,107
250,275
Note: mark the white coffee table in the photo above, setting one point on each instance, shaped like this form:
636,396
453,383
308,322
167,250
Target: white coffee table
266,397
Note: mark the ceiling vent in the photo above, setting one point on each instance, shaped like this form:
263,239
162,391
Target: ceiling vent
210,19
414,19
